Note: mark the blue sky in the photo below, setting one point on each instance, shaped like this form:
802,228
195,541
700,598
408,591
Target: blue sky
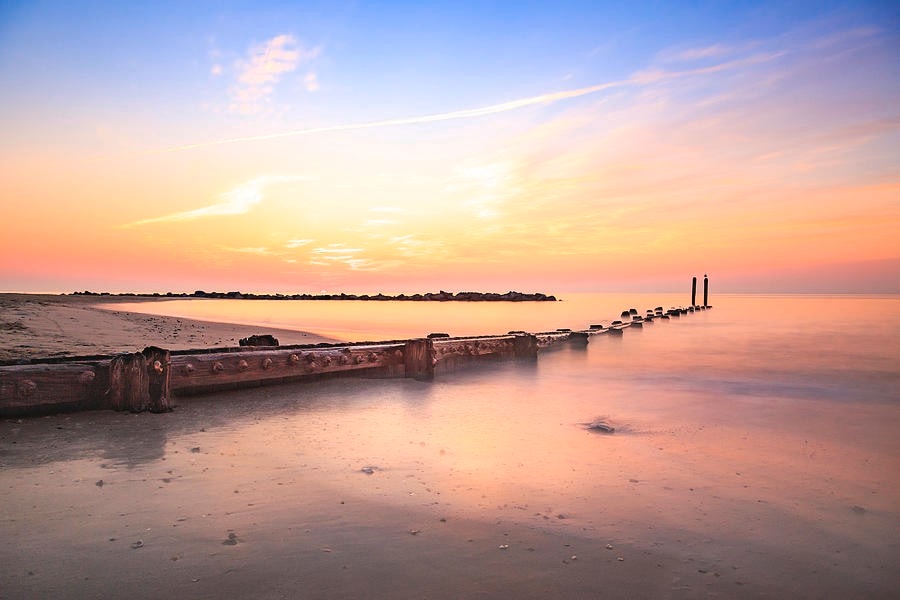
504,142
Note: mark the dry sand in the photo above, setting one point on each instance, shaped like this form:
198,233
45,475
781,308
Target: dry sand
41,325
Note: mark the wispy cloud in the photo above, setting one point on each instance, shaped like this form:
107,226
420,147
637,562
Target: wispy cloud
234,202
260,251
842,37
337,254
292,244
692,54
642,78
335,251
484,187
311,82
263,67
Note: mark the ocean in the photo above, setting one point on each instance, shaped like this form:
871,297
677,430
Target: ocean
757,442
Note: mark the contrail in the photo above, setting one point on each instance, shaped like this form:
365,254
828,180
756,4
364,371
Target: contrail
641,78
448,116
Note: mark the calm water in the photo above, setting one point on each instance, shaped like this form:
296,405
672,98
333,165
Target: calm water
368,320
759,440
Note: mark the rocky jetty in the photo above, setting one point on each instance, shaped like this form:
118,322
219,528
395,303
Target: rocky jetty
441,296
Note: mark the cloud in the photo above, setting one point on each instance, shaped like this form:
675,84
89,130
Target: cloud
484,187
335,251
263,68
842,37
639,79
291,244
333,254
260,251
234,202
692,54
311,82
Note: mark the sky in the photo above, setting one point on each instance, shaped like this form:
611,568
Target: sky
368,147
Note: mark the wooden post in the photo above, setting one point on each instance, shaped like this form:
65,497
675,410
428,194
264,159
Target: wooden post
694,291
525,347
129,382
705,290
579,339
158,364
419,359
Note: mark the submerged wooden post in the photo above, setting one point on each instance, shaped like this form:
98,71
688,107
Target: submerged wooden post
694,291
525,347
578,339
129,382
705,290
157,362
418,357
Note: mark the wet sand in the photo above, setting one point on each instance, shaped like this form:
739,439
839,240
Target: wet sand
397,489
206,501
43,325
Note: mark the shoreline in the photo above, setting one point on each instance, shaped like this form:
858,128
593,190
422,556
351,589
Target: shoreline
48,326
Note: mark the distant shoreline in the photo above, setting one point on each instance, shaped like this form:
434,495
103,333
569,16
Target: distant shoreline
442,296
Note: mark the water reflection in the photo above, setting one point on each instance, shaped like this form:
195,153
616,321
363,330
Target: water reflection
367,321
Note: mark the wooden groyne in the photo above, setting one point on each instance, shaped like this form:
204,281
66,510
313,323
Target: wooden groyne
152,379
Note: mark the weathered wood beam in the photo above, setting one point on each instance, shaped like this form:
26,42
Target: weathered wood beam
202,371
35,388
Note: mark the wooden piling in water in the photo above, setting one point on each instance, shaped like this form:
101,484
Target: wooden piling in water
705,291
579,339
418,355
525,347
693,291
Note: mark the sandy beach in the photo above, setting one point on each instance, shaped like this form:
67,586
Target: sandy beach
44,325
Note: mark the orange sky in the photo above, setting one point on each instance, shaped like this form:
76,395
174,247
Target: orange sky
769,160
